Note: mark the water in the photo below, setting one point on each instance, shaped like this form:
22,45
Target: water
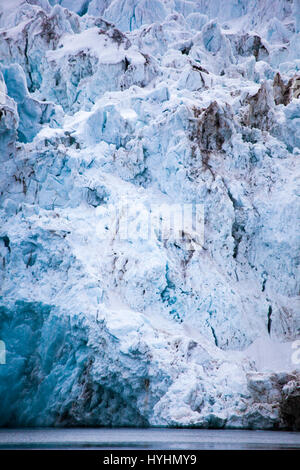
149,439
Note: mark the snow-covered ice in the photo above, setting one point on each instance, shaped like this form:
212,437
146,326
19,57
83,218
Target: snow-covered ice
105,103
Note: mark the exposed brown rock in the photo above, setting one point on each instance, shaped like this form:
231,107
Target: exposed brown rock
282,91
290,405
260,112
214,126
280,390
248,44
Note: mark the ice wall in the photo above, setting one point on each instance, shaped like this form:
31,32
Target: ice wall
104,103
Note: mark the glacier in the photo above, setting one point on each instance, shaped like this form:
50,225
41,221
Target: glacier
110,103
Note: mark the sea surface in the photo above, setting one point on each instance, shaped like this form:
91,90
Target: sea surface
149,439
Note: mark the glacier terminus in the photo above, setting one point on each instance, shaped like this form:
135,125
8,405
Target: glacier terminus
143,104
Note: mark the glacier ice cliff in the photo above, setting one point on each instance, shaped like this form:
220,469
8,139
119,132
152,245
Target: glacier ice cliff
105,103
